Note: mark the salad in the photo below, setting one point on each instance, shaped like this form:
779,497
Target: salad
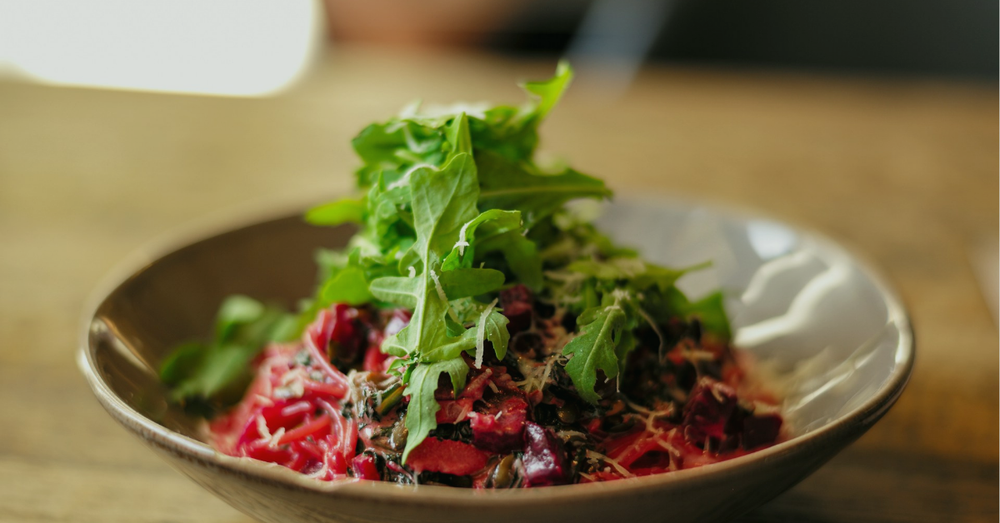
476,331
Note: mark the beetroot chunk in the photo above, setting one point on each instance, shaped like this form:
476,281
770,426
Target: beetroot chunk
516,303
760,430
500,426
363,466
447,456
544,458
707,412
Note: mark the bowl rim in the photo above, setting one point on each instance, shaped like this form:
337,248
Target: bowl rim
851,424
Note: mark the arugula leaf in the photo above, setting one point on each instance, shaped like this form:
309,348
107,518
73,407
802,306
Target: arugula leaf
349,286
421,412
335,213
442,202
492,327
549,91
710,310
509,185
620,268
594,349
213,374
494,222
462,283
400,290
512,132
391,148
498,230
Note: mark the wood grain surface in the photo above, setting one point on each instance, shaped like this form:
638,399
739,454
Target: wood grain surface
903,171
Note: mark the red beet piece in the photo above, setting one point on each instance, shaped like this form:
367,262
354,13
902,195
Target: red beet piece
760,430
500,426
447,456
453,411
364,467
708,410
544,458
516,303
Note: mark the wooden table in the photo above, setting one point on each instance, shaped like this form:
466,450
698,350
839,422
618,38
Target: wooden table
903,170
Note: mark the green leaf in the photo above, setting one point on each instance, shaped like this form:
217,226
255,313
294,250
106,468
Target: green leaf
462,283
218,371
443,201
220,366
492,223
393,147
513,132
236,310
549,91
450,347
594,349
521,255
422,410
349,286
518,186
621,268
493,328
400,290
497,230
182,362
335,213
711,311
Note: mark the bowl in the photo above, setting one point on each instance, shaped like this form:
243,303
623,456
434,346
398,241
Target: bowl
822,326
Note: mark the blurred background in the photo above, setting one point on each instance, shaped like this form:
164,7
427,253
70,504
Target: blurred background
259,46
875,122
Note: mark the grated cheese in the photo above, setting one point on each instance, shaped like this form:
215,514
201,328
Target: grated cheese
262,429
442,295
614,463
481,333
461,244
276,437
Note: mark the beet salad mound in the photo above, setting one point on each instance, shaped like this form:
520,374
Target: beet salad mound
476,331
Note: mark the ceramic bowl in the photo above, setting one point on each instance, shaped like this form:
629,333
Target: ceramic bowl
832,336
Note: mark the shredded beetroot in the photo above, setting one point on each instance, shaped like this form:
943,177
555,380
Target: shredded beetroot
303,412
306,433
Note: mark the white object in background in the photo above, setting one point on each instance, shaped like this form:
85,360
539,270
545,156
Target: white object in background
221,47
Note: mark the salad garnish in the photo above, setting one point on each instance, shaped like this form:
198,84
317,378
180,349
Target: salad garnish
469,272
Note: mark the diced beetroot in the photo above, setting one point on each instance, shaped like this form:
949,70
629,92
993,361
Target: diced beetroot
447,456
477,383
504,382
500,426
516,303
760,430
454,411
544,458
376,360
364,467
708,410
